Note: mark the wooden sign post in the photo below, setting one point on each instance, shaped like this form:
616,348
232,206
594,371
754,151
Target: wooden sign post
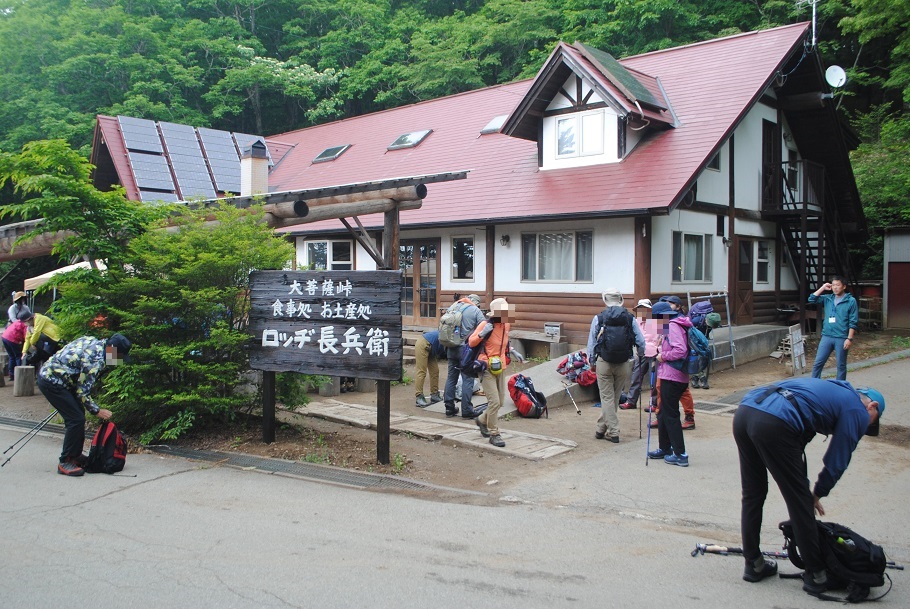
336,323
797,349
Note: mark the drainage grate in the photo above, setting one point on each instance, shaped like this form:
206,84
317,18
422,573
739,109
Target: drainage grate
312,471
715,407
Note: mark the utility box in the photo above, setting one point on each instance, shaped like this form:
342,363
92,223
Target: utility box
552,328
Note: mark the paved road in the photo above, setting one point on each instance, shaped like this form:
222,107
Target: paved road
608,530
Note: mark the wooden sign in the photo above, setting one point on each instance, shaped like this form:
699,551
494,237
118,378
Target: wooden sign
336,323
797,349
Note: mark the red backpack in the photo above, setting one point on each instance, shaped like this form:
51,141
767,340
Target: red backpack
530,403
108,452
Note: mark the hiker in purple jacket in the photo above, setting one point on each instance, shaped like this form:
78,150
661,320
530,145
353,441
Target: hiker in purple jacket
673,382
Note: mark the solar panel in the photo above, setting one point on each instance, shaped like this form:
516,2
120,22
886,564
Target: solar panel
151,171
222,157
140,134
148,196
189,166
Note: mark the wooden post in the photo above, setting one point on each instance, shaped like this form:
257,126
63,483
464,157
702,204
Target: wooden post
24,385
268,406
390,244
4,366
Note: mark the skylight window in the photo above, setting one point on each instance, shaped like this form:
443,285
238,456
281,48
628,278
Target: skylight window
409,140
494,125
330,154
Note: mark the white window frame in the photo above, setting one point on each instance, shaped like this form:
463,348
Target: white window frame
680,265
454,276
589,128
763,262
331,263
572,269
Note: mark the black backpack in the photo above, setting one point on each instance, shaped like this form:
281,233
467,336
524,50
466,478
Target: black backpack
108,452
615,337
854,564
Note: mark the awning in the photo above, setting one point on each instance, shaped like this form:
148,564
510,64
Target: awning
33,283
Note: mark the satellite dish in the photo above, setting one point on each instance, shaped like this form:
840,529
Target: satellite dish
836,76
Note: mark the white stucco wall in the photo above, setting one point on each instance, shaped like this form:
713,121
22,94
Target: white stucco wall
662,252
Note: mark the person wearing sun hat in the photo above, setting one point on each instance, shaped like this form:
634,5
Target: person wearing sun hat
643,363
493,333
18,306
772,427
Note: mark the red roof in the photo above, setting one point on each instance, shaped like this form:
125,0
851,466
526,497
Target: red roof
709,85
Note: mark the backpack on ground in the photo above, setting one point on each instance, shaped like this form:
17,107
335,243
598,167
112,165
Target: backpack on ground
615,337
450,325
529,402
108,452
698,357
853,563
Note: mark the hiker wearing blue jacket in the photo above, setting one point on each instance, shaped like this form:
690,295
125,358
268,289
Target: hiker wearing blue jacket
840,317
772,427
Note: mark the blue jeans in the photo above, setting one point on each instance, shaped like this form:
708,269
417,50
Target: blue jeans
825,346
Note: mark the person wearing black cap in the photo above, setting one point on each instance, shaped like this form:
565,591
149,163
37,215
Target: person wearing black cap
772,427
66,380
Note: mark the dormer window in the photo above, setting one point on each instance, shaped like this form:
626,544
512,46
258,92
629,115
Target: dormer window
580,135
409,140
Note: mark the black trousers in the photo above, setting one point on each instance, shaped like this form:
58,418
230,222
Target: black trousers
73,413
767,444
669,427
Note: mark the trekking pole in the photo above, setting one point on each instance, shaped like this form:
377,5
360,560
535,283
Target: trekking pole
36,427
31,434
566,385
650,412
709,548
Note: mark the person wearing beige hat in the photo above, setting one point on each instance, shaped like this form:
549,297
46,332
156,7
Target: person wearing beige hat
641,367
613,335
494,334
17,307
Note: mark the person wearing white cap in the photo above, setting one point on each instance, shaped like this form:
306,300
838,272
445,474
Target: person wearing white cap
612,336
642,364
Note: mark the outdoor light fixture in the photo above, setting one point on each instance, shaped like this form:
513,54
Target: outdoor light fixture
505,240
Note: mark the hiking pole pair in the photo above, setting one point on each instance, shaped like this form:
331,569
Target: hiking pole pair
29,435
710,548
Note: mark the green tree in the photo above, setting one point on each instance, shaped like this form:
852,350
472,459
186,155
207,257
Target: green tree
51,184
183,299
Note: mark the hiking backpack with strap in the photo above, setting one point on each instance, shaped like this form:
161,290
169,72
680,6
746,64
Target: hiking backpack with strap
108,452
529,402
615,337
699,312
450,325
698,356
853,563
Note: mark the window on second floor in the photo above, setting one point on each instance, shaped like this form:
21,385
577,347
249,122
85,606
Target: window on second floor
691,257
329,255
562,256
580,134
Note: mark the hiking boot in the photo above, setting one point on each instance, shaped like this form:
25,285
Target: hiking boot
483,428
704,384
689,423
627,406
657,454
68,468
599,435
680,460
696,382
613,439
470,415
497,441
815,584
435,397
451,413
768,568
422,402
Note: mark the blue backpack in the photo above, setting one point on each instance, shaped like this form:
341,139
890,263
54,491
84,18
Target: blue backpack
699,356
